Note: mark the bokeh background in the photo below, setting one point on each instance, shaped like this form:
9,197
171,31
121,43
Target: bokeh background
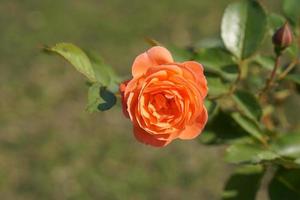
50,148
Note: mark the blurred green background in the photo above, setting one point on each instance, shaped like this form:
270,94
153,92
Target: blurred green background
50,148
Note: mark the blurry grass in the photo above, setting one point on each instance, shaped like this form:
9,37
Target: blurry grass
49,147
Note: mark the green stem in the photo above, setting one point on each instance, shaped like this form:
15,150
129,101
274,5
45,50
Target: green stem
238,79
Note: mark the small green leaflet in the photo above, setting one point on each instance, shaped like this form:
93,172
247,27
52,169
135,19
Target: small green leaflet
76,57
103,79
99,98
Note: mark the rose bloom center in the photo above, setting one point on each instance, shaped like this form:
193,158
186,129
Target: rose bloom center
161,110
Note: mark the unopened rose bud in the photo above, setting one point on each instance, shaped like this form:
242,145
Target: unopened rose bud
282,38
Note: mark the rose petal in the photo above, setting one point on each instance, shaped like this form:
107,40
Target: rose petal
190,132
165,99
195,66
146,138
197,70
141,65
155,56
122,89
160,55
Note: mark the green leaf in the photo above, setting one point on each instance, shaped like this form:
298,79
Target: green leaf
283,151
266,62
208,137
291,10
243,184
248,104
294,77
214,57
293,50
275,21
88,64
94,98
99,98
221,129
212,108
218,61
104,73
109,99
249,126
243,28
288,145
216,86
180,54
210,43
249,152
285,185
100,69
76,57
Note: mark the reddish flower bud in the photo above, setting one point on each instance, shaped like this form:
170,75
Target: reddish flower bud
283,37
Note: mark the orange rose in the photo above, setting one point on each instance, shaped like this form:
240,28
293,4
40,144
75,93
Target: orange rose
164,99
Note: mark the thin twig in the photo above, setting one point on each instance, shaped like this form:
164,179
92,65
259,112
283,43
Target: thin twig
271,79
288,69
